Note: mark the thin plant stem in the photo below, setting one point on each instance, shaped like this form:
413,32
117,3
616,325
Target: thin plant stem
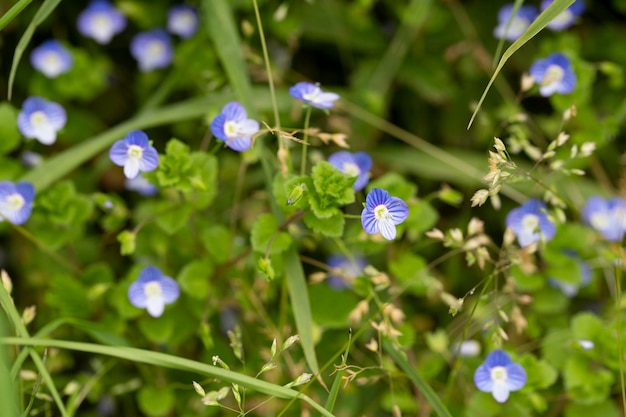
618,265
305,140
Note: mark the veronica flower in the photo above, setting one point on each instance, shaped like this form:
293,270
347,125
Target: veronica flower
16,201
356,165
152,49
554,75
101,21
607,217
233,127
141,185
499,375
382,213
41,119
135,154
530,223
567,17
520,22
570,289
182,20
313,95
347,270
51,58
152,290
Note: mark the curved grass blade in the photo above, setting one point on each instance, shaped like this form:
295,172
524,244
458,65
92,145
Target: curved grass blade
173,362
334,390
544,18
12,12
431,396
44,11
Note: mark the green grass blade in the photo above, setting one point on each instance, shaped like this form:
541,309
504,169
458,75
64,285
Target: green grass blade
223,30
44,11
173,362
544,18
9,404
334,390
12,12
431,396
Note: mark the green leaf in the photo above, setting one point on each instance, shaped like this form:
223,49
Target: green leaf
8,128
159,329
173,216
216,240
333,187
330,226
174,166
265,236
330,307
395,184
127,242
604,409
541,374
69,296
586,382
194,278
156,401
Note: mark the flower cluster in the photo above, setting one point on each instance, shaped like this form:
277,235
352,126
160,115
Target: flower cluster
530,223
607,216
499,375
41,119
152,290
382,213
135,154
356,164
16,201
233,127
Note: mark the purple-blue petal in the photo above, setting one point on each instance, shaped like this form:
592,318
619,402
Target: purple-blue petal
398,209
217,126
482,378
118,151
170,289
138,138
375,198
150,159
26,190
498,357
234,111
516,376
369,222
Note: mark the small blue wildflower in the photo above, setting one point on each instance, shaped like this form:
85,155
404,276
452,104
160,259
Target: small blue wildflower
233,127
499,375
152,290
570,289
135,154
141,185
344,271
152,49
16,201
51,58
41,119
607,216
382,213
101,21
554,75
356,164
182,20
530,223
524,17
313,95
567,17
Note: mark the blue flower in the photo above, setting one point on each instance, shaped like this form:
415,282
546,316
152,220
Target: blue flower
382,213
313,95
41,119
101,21
152,290
135,154
530,223
524,17
152,49
346,270
233,127
499,375
567,17
570,289
182,20
16,201
51,58
141,185
356,164
606,216
554,75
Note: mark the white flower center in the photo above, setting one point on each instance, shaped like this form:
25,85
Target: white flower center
183,20
230,128
599,221
134,152
38,119
351,169
155,49
530,223
499,374
382,213
152,289
101,26
518,26
52,62
15,202
554,74
312,96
